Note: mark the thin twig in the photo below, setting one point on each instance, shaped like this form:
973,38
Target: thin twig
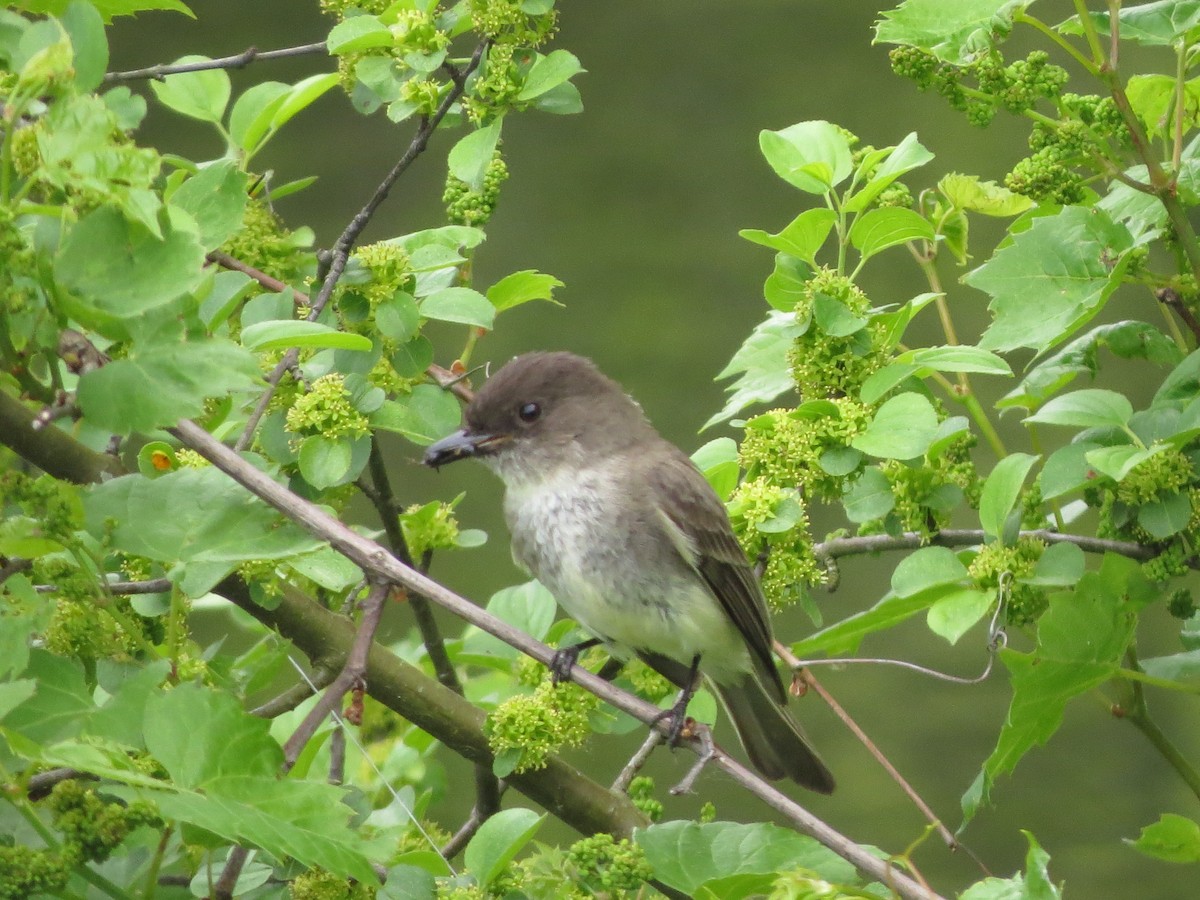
152,586
967,537
335,263
1170,298
295,695
478,816
626,775
374,559
238,61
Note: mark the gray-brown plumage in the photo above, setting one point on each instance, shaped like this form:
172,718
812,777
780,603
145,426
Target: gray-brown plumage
633,542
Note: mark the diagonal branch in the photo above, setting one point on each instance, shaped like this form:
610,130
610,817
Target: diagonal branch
335,264
376,561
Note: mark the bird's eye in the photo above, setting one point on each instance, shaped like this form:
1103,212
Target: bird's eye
529,412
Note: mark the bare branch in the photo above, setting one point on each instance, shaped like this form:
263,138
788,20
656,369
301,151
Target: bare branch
238,61
965,537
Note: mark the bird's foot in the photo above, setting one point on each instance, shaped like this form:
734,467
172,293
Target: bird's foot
565,658
678,719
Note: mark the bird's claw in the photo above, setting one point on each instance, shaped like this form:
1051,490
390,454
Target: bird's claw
562,663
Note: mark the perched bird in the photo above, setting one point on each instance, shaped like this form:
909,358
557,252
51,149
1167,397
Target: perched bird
632,541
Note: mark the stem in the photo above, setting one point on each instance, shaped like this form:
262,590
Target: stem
1035,441
1180,106
1090,33
1058,39
239,61
977,412
1138,714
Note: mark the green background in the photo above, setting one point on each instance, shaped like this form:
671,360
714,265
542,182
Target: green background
635,205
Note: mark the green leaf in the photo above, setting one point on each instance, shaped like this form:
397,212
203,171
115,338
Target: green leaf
1159,24
903,428
424,416
869,498
252,112
528,607
157,385
878,229
1166,517
280,334
834,318
459,304
298,97
957,358
498,841
1001,490
548,72
1081,640
971,193
1126,340
1067,469
955,614
221,738
761,364
199,95
845,636
469,158
1116,462
522,287
1173,838
211,519
813,156
686,855
1060,565
324,461
1051,278
802,237
59,707
216,198
1088,408
398,318
884,167
929,567
787,283
412,358
1183,666
85,28
358,33
718,460
956,32
119,269
301,820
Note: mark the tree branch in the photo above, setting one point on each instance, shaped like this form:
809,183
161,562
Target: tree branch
465,733
967,537
51,449
238,61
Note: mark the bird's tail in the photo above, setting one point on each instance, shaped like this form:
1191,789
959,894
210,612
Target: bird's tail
774,741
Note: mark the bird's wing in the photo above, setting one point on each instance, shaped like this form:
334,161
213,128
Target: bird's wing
711,549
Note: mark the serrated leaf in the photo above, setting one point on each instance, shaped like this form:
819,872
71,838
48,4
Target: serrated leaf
1173,838
119,269
957,32
212,519
1051,278
283,333
902,428
1160,24
522,287
971,193
1001,490
159,384
761,364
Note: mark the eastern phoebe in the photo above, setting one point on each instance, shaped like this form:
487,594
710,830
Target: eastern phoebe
633,542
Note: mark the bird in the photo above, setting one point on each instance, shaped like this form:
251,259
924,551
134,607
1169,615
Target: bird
634,544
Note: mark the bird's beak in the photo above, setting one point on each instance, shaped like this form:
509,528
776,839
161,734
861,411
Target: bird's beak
460,445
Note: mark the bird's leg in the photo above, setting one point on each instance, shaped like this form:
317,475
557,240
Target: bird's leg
565,658
678,711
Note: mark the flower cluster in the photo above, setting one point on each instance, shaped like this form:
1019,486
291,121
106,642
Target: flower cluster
539,724
827,365
327,410
429,526
995,561
608,866
641,792
317,884
265,243
465,206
